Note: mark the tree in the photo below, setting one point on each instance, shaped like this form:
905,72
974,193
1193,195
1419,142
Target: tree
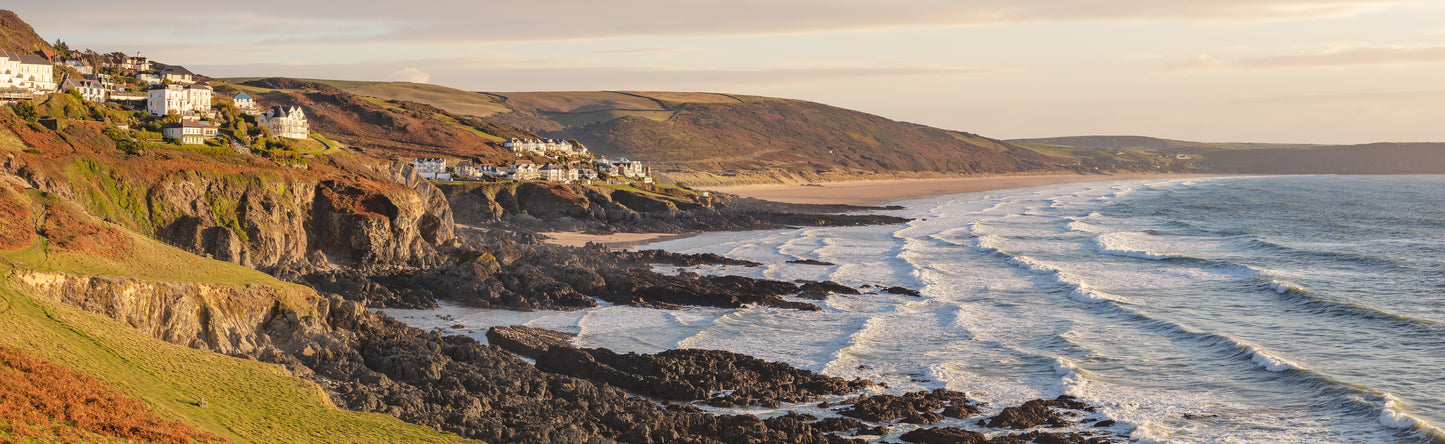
26,110
62,48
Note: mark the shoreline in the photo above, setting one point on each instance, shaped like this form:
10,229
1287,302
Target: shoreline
619,241
876,192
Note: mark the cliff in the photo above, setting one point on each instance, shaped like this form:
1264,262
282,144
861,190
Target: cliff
339,210
220,318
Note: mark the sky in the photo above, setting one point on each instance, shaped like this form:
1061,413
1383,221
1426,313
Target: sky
1287,71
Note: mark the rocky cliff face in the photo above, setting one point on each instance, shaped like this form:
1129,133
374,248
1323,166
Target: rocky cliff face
372,363
224,319
266,220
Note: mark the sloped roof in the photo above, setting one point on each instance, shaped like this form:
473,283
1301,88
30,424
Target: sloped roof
178,70
243,96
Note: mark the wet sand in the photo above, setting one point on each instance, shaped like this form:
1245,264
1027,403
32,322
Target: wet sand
883,191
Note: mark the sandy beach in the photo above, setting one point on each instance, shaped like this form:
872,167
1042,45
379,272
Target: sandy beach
614,240
883,191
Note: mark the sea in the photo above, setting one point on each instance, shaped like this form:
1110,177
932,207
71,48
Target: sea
1235,309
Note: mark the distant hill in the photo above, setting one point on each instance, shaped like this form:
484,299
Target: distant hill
1258,158
382,128
18,36
1074,145
705,138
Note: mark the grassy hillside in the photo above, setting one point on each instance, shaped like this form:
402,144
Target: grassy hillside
18,36
384,128
796,137
247,401
696,137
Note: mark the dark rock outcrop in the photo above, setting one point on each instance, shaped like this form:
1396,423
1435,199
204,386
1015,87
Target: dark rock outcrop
912,408
1037,413
811,262
901,290
820,290
944,435
718,377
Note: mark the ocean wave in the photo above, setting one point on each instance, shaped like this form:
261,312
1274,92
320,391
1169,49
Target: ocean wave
1132,244
1073,379
1083,293
1267,361
1083,227
1283,287
1393,415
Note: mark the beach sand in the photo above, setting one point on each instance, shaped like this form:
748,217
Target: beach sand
614,240
883,191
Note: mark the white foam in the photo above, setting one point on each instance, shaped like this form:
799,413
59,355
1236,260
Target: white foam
1083,293
1136,245
1392,418
1034,266
1084,227
1073,378
1269,362
1283,287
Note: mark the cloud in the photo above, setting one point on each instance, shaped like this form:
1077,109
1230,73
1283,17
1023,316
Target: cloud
469,21
472,74
642,51
1344,56
412,75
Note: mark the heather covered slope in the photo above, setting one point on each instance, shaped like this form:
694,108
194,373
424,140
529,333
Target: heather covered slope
705,138
18,36
384,128
794,138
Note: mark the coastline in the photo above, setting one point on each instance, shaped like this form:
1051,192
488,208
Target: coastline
883,191
613,240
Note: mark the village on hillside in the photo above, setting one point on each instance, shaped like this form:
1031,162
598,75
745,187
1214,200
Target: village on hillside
157,105
566,162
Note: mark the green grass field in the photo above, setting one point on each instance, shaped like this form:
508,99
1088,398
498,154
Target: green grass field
248,401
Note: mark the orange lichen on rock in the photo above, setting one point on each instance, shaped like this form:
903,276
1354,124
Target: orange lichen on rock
47,402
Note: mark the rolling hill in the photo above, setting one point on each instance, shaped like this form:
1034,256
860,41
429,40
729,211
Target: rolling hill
707,138
1258,158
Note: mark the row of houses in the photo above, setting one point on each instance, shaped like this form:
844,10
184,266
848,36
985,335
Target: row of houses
26,73
435,168
543,146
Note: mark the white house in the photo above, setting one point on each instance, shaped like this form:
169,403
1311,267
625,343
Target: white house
554,173
286,122
89,90
244,102
186,100
432,168
490,170
149,77
523,170
464,168
543,146
178,74
78,65
190,132
28,72
625,168
119,60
